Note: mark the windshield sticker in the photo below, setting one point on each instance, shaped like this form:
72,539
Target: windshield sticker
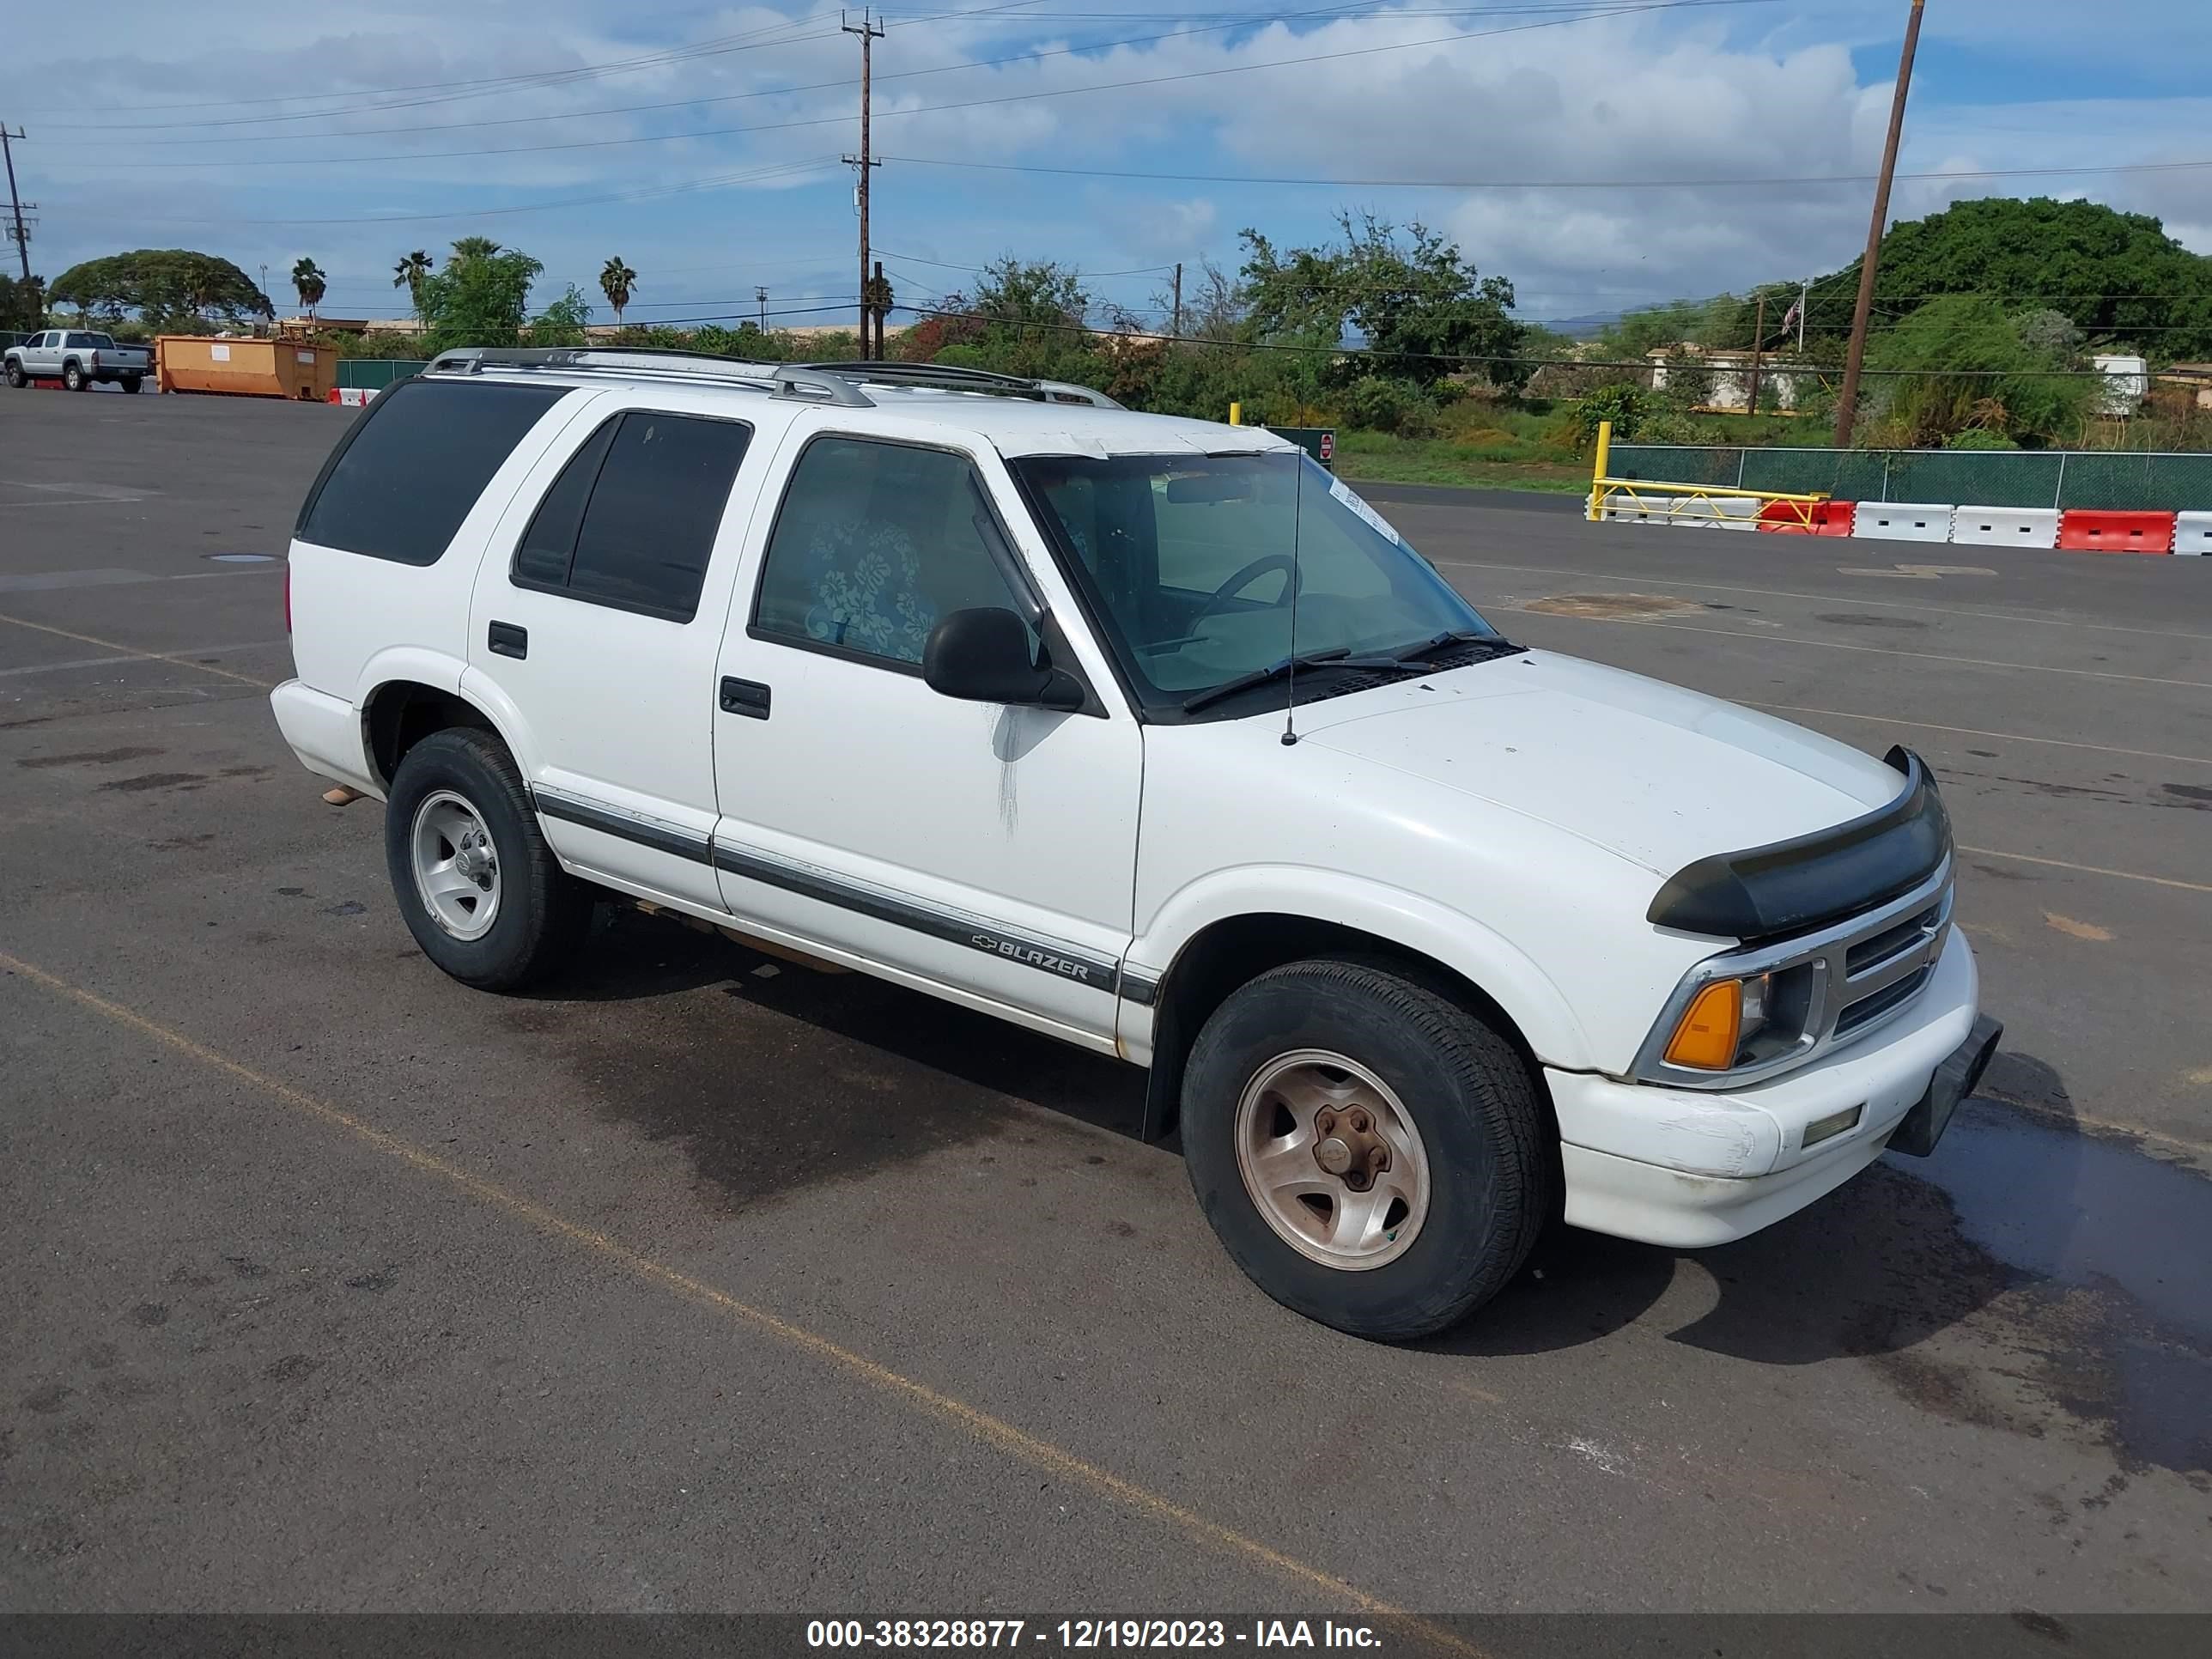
1343,493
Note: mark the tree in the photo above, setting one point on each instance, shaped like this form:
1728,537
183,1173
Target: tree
1424,311
481,298
1971,368
22,304
409,274
160,285
618,281
2117,276
561,323
308,281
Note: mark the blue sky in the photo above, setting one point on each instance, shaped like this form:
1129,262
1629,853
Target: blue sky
1592,152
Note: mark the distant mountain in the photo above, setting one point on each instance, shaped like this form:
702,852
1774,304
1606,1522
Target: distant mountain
1579,328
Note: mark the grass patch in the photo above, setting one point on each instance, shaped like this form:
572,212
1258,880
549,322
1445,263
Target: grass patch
1495,459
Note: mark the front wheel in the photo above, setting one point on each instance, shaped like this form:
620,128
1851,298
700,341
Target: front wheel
481,891
1368,1150
15,375
73,377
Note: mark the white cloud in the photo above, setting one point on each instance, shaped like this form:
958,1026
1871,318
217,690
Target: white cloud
1716,94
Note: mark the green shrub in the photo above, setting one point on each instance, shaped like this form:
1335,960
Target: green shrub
1622,402
1975,437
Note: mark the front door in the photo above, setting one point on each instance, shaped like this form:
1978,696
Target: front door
986,852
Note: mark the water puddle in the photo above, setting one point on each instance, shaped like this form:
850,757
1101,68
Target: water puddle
2121,1243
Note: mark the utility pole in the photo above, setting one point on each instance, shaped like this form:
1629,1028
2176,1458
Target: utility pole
1758,342
1804,304
760,294
879,303
1174,331
1847,401
14,202
870,32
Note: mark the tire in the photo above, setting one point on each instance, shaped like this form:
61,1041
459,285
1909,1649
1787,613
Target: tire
134,383
16,378
73,377
1480,1163
451,780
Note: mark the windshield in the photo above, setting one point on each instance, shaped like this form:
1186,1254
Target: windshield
1188,559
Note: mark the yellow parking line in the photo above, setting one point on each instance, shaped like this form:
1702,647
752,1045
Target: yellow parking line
994,1430
2090,869
133,652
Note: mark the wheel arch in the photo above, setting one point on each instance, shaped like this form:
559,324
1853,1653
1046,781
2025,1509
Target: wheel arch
1233,950
400,713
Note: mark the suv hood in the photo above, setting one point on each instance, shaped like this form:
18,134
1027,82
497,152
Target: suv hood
1660,776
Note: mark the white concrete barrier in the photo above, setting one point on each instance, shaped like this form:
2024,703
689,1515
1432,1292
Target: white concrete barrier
2005,527
1718,513
1903,521
2192,532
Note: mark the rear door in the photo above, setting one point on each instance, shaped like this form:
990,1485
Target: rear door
598,618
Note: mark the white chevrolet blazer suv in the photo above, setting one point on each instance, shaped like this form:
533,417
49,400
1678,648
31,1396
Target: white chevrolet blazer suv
1149,734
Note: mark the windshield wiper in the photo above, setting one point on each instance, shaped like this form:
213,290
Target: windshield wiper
1452,637
1340,657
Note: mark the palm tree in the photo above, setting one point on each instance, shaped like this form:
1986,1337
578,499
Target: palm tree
618,281
309,282
409,274
474,247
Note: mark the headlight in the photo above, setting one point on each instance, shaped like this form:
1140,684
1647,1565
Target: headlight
1720,1020
1711,1029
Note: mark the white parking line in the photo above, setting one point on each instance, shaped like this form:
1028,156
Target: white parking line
137,656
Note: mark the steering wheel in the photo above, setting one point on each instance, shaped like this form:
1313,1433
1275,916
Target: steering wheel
1244,579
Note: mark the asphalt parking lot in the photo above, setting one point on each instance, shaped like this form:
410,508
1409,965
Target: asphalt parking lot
705,1282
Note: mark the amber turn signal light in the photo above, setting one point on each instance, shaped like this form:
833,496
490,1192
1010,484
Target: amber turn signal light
1709,1030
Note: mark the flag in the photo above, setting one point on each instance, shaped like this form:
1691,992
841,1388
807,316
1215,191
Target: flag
1790,317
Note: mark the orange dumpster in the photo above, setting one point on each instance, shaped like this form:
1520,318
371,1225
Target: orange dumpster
257,368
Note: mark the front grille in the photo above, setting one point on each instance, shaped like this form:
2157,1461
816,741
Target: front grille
1894,995
1872,952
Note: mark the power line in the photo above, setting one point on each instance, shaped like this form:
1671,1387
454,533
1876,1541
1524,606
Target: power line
491,85
1580,7
499,85
644,193
1530,184
1470,359
1624,10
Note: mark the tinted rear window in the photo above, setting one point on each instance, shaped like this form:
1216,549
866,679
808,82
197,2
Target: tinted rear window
631,521
403,480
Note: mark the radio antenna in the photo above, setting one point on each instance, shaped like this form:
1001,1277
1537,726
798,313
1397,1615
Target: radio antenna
1291,692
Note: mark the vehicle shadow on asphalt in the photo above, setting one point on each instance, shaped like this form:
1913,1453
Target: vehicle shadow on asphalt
879,1074
1876,1267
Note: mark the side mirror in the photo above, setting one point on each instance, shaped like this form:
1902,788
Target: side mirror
983,656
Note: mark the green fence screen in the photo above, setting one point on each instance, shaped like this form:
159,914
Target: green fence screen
378,371
2022,477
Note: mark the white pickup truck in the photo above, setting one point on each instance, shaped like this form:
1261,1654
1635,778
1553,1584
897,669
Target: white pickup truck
1148,734
77,359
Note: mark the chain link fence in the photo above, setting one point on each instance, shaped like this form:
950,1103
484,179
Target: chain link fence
2011,478
377,372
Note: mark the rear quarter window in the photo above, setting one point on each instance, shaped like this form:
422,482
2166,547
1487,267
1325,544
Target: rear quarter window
406,474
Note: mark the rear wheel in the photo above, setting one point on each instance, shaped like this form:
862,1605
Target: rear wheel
133,382
1368,1150
481,890
73,377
